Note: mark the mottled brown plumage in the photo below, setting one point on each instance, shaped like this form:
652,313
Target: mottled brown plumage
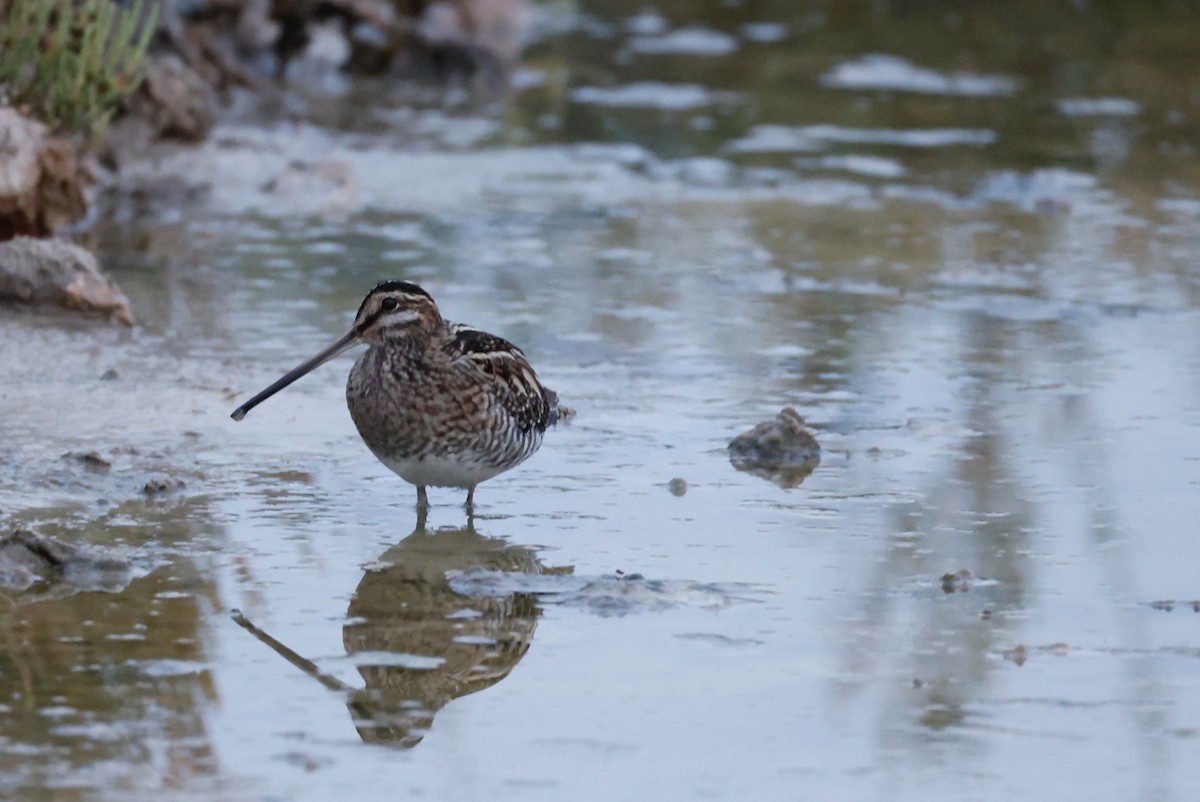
439,403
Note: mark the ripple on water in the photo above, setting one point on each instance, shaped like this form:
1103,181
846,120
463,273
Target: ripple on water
1046,190
988,277
690,41
1099,107
651,95
808,138
609,595
647,22
869,166
764,32
886,72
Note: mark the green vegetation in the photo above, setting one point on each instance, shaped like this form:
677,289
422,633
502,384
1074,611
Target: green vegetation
69,63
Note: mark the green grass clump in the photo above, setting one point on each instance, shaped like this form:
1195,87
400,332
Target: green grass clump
69,63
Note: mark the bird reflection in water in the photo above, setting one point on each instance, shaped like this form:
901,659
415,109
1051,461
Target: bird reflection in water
416,642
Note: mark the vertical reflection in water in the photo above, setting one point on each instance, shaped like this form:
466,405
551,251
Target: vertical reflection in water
416,642
404,607
974,515
1079,423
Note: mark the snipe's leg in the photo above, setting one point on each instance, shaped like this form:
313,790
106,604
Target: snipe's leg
422,498
470,503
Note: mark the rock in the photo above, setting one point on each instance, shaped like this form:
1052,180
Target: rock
1167,605
28,559
38,271
468,25
371,49
158,485
479,40
781,449
62,189
678,486
960,581
92,459
175,101
1017,654
43,182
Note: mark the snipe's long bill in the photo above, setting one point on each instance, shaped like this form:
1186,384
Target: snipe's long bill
346,341
439,403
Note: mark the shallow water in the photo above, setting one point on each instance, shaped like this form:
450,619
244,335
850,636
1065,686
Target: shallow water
960,246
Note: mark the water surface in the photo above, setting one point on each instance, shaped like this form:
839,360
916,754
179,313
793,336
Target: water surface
960,245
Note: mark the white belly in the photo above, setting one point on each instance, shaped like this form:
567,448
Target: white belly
440,471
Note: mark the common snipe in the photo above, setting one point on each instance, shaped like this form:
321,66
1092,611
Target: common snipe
439,403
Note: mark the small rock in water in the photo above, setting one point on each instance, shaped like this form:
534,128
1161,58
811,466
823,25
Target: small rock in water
1017,654
781,449
92,459
961,581
1167,605
157,485
678,486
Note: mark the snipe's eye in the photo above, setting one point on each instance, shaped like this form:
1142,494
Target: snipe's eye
388,304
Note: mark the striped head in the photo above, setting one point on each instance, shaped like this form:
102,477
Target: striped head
397,310
394,312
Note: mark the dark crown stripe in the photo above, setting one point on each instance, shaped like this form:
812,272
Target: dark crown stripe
394,285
